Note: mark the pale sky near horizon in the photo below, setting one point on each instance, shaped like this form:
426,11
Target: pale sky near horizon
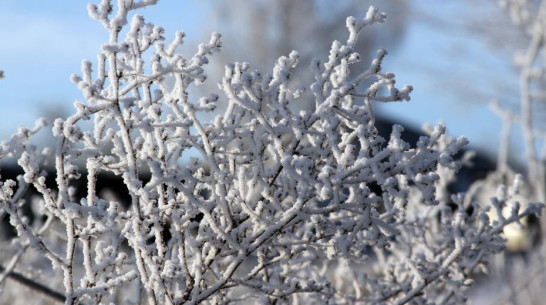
43,43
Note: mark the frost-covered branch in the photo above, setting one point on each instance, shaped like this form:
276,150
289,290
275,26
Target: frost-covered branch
280,205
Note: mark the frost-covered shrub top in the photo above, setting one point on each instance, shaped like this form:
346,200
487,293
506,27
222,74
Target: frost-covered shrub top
280,207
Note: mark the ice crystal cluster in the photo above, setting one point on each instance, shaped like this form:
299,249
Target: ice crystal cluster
279,207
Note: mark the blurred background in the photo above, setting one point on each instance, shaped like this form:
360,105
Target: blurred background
456,54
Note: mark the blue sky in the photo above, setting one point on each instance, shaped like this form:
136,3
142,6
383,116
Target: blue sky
43,43
455,75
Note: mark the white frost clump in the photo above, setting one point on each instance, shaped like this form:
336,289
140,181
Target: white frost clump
301,208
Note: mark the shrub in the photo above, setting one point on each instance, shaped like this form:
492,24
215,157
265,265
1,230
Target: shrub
279,207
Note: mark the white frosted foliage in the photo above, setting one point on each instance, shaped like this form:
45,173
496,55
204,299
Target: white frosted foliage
310,207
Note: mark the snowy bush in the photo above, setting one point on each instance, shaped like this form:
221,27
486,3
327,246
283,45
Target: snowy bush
280,207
